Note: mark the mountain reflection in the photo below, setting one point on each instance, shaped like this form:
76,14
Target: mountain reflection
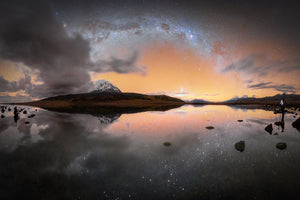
69,156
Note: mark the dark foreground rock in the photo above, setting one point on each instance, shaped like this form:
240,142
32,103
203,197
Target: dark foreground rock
240,146
269,128
27,122
209,127
278,123
296,124
2,116
240,120
281,145
167,144
30,116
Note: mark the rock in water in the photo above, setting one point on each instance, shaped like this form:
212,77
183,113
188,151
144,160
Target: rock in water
269,128
281,145
296,124
25,112
209,127
278,123
30,116
2,116
167,144
240,146
240,120
27,122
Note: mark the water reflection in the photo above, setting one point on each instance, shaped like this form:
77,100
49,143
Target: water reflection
82,156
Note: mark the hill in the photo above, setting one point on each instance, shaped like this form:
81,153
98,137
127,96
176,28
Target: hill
106,102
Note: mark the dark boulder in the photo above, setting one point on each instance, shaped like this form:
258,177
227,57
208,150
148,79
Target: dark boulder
240,120
278,123
281,145
167,144
25,112
31,116
27,122
240,146
296,124
209,127
2,116
269,128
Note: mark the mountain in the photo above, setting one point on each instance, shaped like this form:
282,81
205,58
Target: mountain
106,99
199,101
106,87
289,99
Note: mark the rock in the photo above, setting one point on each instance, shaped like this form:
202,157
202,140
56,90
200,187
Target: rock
209,127
276,133
167,144
278,123
27,122
25,112
269,128
240,146
30,116
240,120
9,109
2,110
296,124
281,145
2,116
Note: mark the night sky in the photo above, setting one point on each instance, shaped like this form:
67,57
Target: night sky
212,50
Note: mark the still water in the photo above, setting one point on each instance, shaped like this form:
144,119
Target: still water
149,155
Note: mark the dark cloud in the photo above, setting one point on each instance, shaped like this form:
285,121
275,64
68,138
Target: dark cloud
268,85
13,86
261,65
30,33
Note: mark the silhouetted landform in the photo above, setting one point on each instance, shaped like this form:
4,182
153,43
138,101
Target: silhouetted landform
106,103
290,100
200,101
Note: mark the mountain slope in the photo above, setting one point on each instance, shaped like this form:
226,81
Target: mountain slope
289,99
106,101
107,87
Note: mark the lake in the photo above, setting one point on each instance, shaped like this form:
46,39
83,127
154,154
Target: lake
149,155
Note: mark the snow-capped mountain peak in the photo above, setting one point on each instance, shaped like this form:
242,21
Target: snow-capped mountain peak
106,86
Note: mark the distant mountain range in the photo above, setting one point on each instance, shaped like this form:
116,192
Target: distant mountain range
107,97
290,99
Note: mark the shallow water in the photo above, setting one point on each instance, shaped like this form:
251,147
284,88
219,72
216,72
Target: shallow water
149,155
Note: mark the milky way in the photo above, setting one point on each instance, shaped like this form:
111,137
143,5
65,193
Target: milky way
61,46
